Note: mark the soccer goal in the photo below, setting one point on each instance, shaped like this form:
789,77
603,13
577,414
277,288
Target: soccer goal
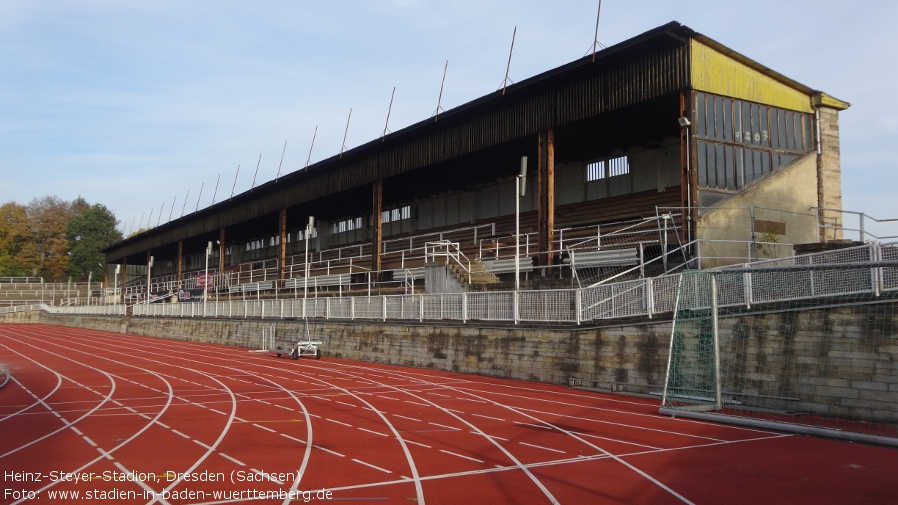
810,349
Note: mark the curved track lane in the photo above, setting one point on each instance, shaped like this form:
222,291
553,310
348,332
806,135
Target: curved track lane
146,420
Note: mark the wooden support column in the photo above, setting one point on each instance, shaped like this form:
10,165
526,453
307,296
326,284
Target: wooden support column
282,256
377,194
545,182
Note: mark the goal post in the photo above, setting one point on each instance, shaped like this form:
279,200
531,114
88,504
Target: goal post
809,349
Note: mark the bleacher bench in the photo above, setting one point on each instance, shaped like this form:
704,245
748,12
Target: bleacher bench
251,287
318,281
407,274
603,258
505,266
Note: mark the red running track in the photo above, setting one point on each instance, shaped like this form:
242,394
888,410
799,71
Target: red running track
98,417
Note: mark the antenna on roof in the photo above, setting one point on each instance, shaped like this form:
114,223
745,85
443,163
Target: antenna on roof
235,182
389,110
161,210
595,41
278,176
345,132
311,146
508,67
257,172
185,203
140,224
199,197
132,225
215,193
173,200
436,115
150,219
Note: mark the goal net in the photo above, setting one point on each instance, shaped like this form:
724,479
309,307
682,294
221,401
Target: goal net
810,349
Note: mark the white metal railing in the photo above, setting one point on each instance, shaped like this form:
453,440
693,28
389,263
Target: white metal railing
864,222
452,252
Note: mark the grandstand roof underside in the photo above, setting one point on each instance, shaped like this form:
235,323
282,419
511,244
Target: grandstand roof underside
627,96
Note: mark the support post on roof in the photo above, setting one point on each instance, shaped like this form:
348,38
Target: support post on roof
377,235
545,196
282,255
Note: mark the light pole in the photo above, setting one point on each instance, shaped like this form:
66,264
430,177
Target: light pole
149,267
206,276
520,188
305,275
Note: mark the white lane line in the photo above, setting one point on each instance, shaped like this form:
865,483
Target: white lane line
461,456
542,447
407,417
372,466
207,447
293,438
492,437
531,425
266,428
418,443
339,422
218,412
445,426
236,461
489,417
344,403
89,441
374,432
335,453
418,403
181,434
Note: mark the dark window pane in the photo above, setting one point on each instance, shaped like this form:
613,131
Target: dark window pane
727,119
730,168
746,123
701,128
765,162
808,133
790,132
719,113
723,179
748,167
740,167
757,164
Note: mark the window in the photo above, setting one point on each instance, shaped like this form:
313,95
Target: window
741,141
397,214
607,168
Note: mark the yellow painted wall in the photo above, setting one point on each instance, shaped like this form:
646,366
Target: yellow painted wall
715,72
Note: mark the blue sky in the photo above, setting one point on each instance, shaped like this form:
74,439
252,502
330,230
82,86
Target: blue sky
136,105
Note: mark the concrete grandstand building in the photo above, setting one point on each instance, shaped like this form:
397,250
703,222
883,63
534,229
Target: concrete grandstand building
665,151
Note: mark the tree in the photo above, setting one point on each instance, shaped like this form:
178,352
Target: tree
91,229
14,242
48,219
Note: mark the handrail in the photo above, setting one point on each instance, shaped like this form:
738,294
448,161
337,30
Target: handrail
457,255
861,229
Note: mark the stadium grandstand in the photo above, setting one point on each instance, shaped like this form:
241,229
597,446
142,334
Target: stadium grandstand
663,152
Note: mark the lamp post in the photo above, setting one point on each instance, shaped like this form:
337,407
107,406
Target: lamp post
149,267
206,276
520,188
305,275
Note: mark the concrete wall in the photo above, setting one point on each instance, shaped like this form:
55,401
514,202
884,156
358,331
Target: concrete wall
849,354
